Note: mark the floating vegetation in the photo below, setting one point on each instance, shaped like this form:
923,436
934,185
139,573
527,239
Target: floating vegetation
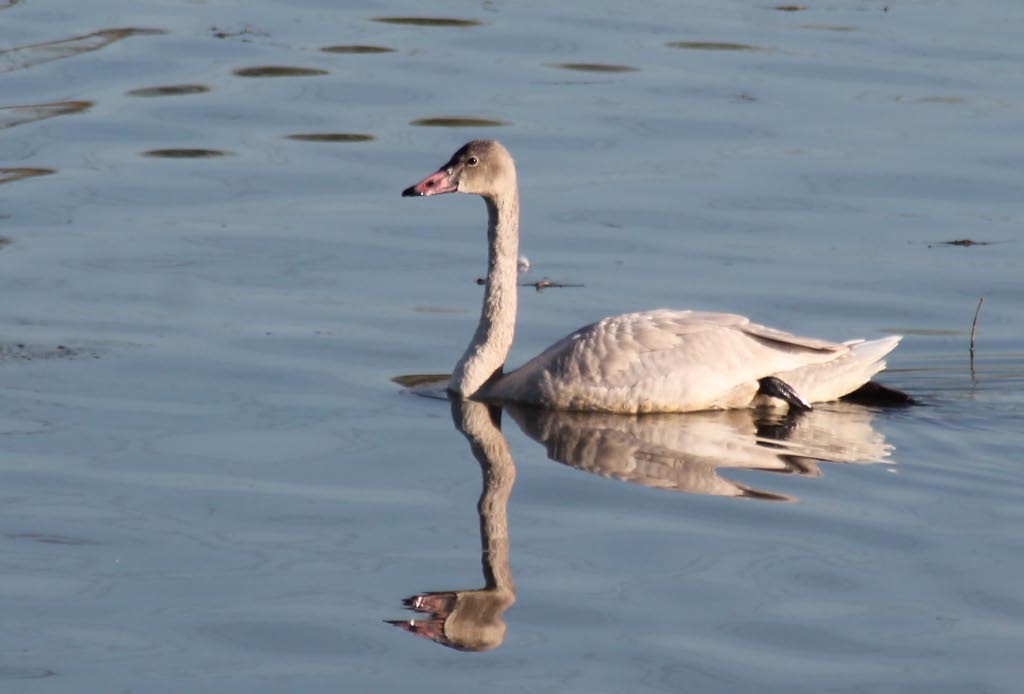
458,122
963,242
594,67
713,46
430,21
545,283
16,115
169,90
9,175
829,27
357,49
974,328
791,8
331,137
186,153
19,351
52,539
21,57
437,309
413,380
246,30
943,100
279,71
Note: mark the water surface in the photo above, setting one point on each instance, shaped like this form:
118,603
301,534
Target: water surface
209,279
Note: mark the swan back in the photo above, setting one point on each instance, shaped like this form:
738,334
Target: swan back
683,361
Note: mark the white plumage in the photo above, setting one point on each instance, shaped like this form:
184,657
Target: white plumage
653,361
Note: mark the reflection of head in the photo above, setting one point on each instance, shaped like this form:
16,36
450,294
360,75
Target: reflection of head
467,620
471,620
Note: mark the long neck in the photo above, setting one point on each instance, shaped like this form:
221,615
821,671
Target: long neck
492,340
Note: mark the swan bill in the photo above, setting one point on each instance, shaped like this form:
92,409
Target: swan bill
442,181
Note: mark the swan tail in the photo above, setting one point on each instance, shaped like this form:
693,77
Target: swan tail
833,379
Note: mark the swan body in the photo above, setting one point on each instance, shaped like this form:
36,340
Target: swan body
653,361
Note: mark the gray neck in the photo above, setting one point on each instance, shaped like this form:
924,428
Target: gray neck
486,353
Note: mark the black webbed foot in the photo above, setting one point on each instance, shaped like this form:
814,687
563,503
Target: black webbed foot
777,388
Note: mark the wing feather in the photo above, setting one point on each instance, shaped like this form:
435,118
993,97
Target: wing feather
660,360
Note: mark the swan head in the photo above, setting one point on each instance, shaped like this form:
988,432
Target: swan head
480,167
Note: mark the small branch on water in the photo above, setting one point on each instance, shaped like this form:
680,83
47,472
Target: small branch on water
545,283
539,285
974,327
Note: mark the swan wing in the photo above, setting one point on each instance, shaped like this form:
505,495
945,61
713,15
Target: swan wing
662,361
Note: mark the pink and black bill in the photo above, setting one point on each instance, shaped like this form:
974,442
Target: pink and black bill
441,181
444,180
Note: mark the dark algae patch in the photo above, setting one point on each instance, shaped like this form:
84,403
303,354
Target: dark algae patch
966,243
430,21
279,71
594,67
358,49
457,122
169,90
185,153
20,351
413,380
9,175
11,116
331,137
713,46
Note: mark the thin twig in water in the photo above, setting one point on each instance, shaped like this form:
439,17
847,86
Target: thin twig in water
545,283
974,327
539,285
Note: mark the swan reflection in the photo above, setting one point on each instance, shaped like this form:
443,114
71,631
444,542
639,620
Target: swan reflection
683,453
472,620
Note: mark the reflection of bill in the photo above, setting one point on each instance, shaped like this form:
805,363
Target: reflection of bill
678,452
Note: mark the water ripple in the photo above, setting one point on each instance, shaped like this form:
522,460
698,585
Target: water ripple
22,57
18,115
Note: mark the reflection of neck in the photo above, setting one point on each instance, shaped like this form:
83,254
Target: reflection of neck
472,620
492,340
499,475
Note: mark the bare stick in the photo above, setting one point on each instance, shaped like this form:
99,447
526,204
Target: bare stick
974,327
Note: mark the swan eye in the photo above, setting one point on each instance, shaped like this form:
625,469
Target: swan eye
472,161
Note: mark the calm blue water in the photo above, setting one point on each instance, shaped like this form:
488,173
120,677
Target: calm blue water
210,483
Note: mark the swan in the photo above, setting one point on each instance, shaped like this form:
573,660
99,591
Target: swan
652,361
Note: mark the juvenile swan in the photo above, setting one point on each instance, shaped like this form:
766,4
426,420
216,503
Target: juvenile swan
654,361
